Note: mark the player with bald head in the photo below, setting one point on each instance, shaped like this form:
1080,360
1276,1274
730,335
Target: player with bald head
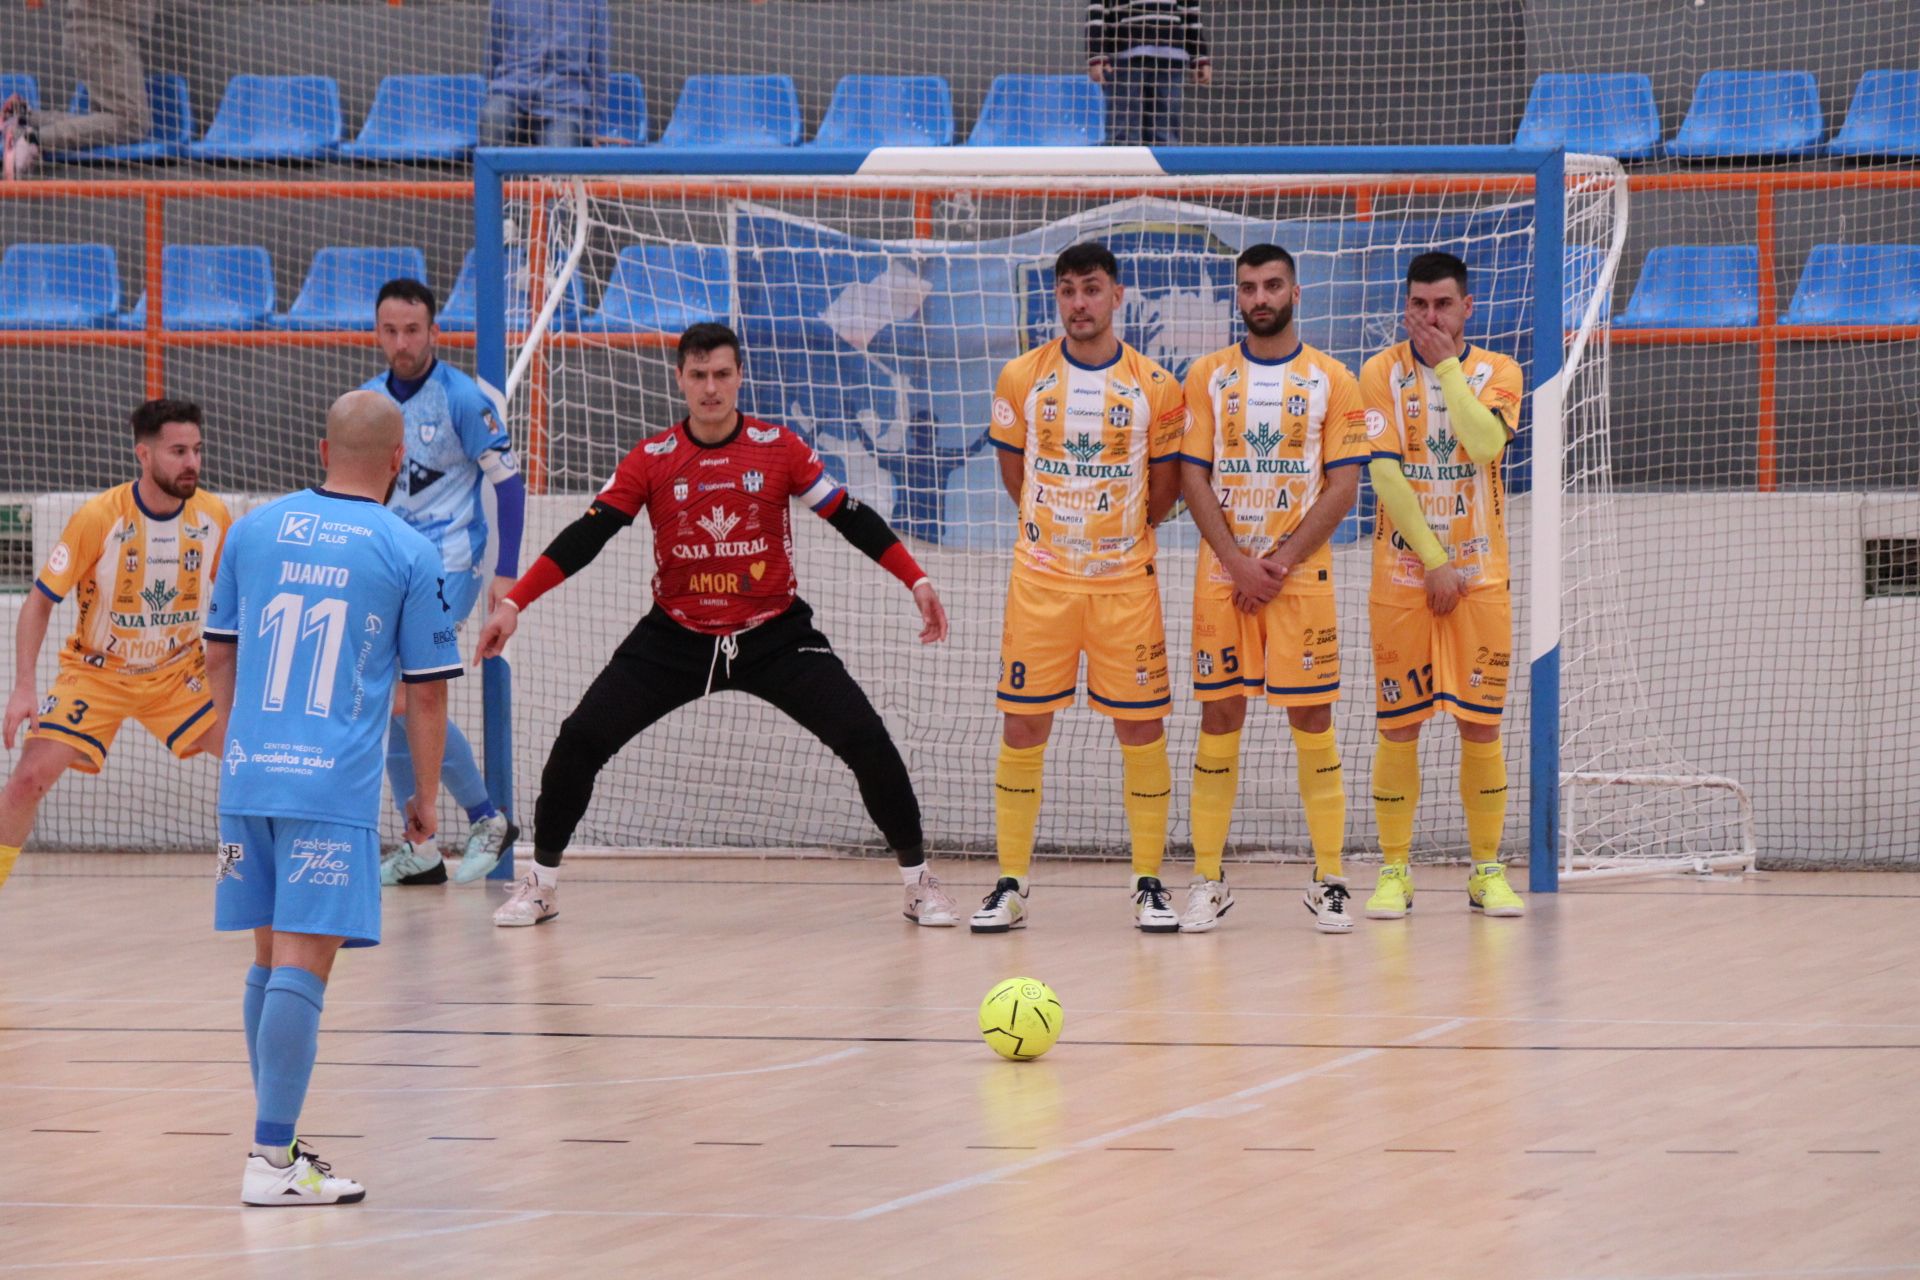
324,601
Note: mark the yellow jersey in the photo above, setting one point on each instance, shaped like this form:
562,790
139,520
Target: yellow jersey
1088,436
1465,503
143,580
1271,431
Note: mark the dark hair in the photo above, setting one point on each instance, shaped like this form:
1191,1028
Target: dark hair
407,289
704,337
1084,259
155,414
1434,266
1259,255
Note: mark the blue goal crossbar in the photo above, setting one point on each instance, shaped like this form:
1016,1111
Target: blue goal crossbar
494,167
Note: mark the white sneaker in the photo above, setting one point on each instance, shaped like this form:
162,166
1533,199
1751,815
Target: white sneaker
414,864
1207,901
1328,901
308,1180
1153,907
1003,909
530,903
929,904
487,839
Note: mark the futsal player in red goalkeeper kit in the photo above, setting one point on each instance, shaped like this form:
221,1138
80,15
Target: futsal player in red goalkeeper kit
727,614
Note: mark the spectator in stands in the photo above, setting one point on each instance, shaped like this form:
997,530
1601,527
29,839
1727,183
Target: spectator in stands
546,72
1140,50
103,38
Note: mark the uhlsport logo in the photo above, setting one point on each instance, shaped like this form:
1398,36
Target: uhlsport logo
298,527
320,861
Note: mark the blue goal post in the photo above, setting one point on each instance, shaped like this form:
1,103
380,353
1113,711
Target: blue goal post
495,168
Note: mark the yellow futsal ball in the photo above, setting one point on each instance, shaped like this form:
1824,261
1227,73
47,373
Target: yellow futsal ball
1020,1018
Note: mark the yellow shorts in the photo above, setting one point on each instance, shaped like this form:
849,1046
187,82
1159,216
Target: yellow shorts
1461,663
85,709
1045,632
1291,648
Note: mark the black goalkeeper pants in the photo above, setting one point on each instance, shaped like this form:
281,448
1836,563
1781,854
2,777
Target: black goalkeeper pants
662,666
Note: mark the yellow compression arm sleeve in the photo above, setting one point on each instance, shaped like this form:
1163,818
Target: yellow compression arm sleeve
1398,501
1479,428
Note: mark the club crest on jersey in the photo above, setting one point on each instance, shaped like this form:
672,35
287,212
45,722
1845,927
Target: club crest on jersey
663,446
680,488
1390,691
718,523
133,560
1296,405
190,560
427,432
1413,408
1049,410
1204,661
1120,417
758,436
1233,402
753,481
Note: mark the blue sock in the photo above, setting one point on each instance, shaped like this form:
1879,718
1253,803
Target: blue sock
257,976
462,776
288,1042
399,764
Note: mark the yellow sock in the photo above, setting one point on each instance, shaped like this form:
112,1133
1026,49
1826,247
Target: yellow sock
1396,794
1216,775
1016,805
1149,787
1483,794
1323,793
8,853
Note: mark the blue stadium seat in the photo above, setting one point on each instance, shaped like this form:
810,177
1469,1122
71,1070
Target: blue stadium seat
421,118
1858,284
58,286
1696,287
1751,113
735,111
273,118
342,283
623,112
458,315
888,111
171,103
663,288
1607,115
27,86
1884,119
211,286
1041,111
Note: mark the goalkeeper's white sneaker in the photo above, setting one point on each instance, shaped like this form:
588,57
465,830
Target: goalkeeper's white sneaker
1003,909
487,839
929,904
414,864
309,1180
1330,901
1207,901
530,903
1153,906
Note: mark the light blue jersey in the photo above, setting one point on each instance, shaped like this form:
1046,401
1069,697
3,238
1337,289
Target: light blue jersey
331,599
450,424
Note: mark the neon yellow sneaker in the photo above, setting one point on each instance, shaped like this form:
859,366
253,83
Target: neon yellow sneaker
1489,893
1393,896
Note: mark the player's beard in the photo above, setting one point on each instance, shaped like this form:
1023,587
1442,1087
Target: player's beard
1282,317
181,487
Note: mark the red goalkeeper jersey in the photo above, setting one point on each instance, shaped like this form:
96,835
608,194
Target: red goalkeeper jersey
722,534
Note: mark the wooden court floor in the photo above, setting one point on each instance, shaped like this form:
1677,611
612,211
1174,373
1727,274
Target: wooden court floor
748,1069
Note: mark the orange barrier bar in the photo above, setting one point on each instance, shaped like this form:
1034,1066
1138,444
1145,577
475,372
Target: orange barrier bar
154,249
1766,435
537,369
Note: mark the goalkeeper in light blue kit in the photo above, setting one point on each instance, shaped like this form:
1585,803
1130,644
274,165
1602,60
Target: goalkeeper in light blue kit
324,600
454,438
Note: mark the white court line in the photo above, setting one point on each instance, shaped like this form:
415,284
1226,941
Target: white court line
1199,1111
820,1061
1078,1012
213,1255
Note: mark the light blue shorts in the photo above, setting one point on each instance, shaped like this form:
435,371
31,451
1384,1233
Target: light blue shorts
462,592
298,876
